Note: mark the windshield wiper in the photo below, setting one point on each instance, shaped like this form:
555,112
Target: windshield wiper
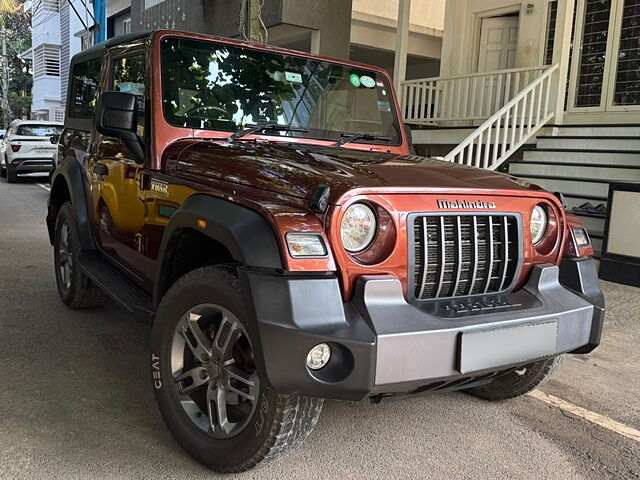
352,137
260,128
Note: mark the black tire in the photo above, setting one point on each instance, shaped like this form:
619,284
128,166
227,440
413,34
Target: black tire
518,382
3,171
77,290
12,175
277,423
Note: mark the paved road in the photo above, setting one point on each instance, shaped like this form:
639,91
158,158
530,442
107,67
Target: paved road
76,400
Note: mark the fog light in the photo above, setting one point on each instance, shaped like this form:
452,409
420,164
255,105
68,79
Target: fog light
318,356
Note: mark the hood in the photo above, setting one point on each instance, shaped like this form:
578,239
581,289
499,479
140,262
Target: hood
297,170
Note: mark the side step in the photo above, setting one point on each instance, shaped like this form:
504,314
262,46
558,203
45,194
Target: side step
125,293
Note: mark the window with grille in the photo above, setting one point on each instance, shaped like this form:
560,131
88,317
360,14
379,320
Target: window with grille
552,15
593,54
151,3
46,61
59,115
627,89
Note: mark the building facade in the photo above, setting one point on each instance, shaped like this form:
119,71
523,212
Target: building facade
362,30
595,42
547,90
54,40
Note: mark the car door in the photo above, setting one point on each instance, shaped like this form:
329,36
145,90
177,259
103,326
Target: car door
115,175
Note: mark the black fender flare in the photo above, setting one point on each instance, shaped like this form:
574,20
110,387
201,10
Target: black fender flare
245,233
70,173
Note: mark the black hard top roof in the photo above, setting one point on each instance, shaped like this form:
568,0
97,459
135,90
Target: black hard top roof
100,49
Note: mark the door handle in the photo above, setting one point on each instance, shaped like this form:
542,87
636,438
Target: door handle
100,169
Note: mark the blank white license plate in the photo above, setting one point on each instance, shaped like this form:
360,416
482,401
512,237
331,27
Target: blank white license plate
504,346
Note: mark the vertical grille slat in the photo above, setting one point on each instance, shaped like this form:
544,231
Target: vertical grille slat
466,254
441,256
458,261
489,267
474,241
425,257
505,254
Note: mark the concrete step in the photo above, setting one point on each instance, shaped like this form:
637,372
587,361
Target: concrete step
589,143
454,135
575,187
582,156
576,170
620,130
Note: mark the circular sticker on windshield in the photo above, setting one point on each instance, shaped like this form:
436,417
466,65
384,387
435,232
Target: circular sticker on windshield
354,78
367,81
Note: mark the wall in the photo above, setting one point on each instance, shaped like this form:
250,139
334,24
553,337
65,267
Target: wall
462,32
425,13
331,17
116,6
220,18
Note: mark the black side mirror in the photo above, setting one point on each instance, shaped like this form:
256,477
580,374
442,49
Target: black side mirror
54,139
116,116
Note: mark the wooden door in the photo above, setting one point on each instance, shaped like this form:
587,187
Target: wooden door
498,43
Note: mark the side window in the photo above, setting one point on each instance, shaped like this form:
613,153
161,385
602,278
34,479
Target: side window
129,77
85,79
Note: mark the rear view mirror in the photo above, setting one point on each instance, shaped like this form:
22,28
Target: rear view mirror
116,117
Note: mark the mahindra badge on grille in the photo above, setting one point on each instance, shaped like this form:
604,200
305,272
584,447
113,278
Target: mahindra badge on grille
466,204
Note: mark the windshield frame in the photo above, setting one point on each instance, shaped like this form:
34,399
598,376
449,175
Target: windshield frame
399,145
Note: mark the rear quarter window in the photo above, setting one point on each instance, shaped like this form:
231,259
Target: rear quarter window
85,79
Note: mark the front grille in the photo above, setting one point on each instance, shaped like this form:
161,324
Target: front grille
456,255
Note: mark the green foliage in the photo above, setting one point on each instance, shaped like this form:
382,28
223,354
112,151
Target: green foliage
18,29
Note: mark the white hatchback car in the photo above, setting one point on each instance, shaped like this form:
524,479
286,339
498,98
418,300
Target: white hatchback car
30,147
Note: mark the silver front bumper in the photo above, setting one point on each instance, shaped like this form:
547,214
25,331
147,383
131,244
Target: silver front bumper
415,346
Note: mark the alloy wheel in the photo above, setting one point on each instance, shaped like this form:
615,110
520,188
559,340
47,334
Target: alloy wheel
65,256
214,372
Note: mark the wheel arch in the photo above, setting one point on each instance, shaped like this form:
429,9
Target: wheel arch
215,231
68,184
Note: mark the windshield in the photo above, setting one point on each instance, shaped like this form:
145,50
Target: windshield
38,130
213,86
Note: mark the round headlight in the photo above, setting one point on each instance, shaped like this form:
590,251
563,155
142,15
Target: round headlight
358,227
538,224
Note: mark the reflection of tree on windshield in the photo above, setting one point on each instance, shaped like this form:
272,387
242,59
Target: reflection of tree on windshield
224,87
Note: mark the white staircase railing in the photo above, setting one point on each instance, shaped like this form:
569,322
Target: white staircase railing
509,128
463,97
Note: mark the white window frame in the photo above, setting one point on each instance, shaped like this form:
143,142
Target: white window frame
126,25
46,61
